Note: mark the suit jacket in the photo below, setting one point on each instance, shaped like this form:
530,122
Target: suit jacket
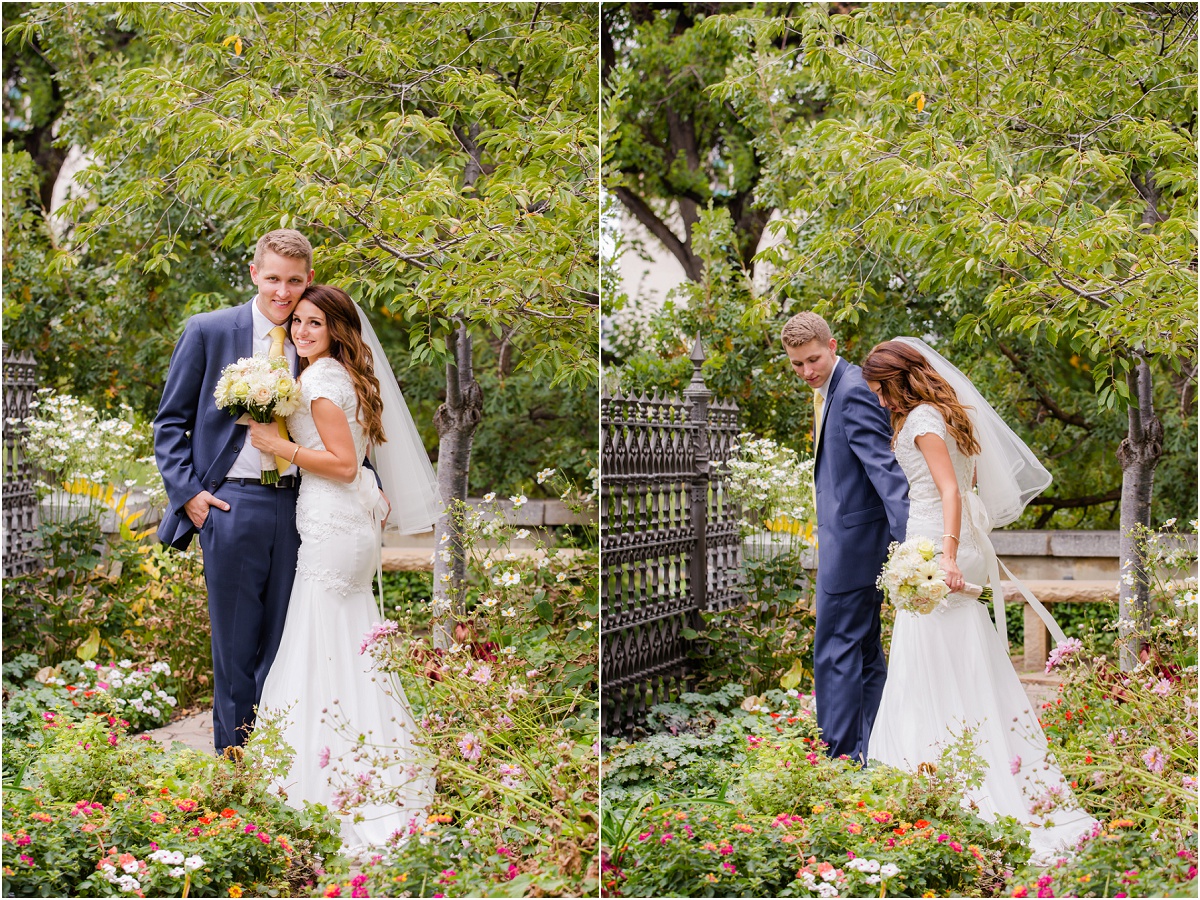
862,494
194,442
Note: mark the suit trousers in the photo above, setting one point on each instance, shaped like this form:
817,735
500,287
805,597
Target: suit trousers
249,566
849,669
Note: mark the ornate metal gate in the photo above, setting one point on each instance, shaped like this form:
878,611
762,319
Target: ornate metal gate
20,498
669,543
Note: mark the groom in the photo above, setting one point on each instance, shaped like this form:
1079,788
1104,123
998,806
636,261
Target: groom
211,473
862,505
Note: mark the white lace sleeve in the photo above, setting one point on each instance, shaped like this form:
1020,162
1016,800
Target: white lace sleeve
925,419
326,378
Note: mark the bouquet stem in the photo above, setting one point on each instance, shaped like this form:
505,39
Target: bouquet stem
268,474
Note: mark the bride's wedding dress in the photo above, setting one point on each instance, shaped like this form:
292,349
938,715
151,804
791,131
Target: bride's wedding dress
324,690
949,670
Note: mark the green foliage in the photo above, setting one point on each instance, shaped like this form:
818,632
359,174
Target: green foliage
442,157
509,719
102,797
963,164
785,807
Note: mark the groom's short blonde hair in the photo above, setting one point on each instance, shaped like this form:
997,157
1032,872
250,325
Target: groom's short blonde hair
804,327
285,242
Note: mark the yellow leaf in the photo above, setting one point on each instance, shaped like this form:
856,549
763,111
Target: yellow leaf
919,96
237,47
90,647
236,40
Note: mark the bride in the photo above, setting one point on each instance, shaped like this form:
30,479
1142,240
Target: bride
949,670
321,689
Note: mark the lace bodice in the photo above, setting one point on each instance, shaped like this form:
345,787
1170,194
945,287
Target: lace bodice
328,509
325,378
924,502
926,419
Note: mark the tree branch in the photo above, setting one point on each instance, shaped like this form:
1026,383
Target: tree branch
1043,398
656,226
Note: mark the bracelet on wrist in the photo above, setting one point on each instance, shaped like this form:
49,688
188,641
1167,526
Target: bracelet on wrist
292,461
952,537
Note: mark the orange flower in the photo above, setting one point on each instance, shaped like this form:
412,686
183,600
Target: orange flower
235,890
920,823
228,813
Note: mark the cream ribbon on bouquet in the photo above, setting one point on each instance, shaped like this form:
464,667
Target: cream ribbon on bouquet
277,335
976,518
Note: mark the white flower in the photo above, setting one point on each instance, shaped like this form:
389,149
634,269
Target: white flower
510,579
508,651
487,563
489,497
586,625
560,577
192,863
887,870
489,602
544,475
508,613
131,867
518,500
445,537
522,534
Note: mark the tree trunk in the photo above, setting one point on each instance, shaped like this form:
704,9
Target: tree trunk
1138,454
456,421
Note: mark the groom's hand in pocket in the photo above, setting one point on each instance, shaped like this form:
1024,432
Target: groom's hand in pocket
197,508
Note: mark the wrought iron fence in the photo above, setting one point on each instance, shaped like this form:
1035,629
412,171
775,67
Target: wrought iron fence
669,542
20,498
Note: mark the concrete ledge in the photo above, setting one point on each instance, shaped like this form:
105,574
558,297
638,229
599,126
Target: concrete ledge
1063,591
420,559
1071,543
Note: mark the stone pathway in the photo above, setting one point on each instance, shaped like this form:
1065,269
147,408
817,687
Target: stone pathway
196,731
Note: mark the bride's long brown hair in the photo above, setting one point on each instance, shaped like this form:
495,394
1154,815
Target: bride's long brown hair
347,347
906,379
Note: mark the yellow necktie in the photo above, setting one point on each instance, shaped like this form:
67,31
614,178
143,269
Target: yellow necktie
818,405
277,335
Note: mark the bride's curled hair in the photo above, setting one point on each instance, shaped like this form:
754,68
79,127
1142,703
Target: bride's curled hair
906,379
347,347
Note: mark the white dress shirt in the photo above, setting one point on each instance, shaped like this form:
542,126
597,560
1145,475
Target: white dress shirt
249,461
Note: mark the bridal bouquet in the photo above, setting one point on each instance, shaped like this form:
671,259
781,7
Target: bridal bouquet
912,579
259,389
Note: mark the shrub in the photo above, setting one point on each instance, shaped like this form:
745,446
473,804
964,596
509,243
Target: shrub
105,814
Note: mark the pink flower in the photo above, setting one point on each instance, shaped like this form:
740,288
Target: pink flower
1154,760
264,837
24,840
1015,765
470,747
666,838
1162,688
725,849
730,866
1063,652
377,632
513,871
956,846
644,835
26,858
186,806
323,757
942,838
482,674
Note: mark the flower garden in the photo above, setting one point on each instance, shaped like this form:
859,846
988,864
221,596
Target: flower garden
109,639
726,791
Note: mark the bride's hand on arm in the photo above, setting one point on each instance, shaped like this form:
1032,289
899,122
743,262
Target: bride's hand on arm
937,457
265,436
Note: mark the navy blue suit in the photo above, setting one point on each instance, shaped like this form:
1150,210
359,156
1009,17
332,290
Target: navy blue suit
249,551
862,505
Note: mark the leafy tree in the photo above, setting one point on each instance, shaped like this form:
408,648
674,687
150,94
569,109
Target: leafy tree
670,144
442,156
1041,154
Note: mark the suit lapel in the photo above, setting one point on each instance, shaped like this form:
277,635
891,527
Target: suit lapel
243,330
827,411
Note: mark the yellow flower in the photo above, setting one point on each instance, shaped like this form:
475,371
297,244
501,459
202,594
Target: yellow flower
235,890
